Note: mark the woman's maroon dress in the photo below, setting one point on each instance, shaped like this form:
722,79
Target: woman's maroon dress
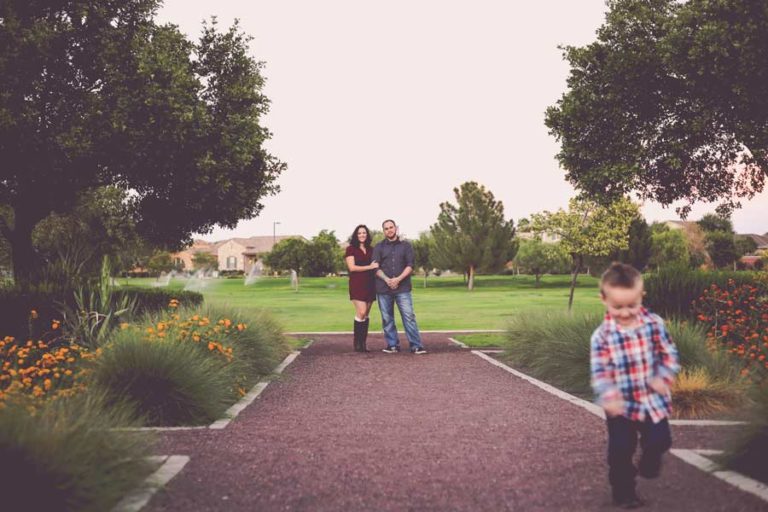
361,284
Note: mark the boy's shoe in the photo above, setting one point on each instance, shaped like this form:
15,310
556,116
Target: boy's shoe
420,350
629,503
391,350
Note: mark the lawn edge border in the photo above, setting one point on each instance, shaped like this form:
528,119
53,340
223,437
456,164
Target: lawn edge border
589,406
698,459
140,497
459,343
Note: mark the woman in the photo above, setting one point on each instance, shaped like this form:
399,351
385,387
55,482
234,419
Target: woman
362,291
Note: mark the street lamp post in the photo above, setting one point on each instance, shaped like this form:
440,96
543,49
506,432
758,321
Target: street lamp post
274,236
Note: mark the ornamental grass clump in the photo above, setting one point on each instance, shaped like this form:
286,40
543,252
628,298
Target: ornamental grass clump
554,347
697,394
169,383
257,340
65,455
748,451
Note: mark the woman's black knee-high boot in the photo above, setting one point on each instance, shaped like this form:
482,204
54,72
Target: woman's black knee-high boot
364,334
357,329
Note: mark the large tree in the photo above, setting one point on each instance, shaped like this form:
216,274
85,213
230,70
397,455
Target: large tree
711,222
587,229
288,254
473,234
669,248
96,93
323,255
670,102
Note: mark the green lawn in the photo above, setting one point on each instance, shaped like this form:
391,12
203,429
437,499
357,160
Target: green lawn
322,304
481,340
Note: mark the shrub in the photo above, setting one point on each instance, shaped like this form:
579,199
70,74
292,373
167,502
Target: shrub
554,347
169,383
749,450
259,346
40,370
737,320
671,291
697,394
151,300
16,304
65,456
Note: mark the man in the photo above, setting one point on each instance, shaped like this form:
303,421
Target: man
393,286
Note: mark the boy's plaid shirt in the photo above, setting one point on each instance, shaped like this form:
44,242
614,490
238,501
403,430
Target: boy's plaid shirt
623,361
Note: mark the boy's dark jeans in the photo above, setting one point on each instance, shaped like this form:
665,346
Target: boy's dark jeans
655,439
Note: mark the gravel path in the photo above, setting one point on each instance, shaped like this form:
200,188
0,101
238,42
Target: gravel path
440,432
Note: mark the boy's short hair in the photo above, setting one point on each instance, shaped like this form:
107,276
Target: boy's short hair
388,220
620,275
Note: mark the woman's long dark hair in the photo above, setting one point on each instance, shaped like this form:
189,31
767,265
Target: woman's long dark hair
353,241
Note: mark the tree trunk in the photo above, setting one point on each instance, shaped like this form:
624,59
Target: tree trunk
425,278
574,275
471,280
538,278
22,252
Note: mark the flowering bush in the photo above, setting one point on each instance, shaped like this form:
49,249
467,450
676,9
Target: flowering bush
49,367
213,335
737,320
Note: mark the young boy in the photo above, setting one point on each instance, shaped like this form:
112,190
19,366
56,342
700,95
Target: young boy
633,362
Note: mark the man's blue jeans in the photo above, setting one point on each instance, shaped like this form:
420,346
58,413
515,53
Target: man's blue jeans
405,305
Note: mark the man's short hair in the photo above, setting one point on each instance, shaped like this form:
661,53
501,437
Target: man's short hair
388,220
620,275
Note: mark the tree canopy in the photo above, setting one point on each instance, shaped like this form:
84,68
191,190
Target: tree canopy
97,94
473,234
587,229
538,258
670,102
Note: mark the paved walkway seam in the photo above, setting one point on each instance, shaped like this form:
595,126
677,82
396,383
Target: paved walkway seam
137,499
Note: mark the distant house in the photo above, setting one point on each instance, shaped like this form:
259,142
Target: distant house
184,259
238,254
760,240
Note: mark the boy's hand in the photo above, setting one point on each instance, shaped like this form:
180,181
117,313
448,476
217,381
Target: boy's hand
614,407
658,385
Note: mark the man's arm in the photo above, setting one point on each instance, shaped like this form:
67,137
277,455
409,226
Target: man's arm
376,257
408,270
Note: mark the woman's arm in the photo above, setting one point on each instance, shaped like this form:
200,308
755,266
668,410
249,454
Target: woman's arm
358,268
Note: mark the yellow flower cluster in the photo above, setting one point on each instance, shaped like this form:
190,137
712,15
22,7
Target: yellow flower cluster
40,370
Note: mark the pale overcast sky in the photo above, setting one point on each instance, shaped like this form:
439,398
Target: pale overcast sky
380,109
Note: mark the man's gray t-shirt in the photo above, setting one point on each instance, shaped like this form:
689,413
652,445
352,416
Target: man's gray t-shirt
393,257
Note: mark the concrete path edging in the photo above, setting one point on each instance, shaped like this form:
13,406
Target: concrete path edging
137,499
698,459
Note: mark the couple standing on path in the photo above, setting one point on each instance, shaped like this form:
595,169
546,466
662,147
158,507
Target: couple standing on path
382,273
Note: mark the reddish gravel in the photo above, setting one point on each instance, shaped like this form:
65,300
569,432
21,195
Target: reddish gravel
439,432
